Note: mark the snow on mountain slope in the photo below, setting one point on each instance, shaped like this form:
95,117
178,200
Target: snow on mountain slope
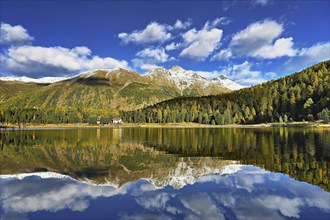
33,80
222,80
185,78
184,174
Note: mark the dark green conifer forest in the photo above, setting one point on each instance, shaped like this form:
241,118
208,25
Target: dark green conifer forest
297,97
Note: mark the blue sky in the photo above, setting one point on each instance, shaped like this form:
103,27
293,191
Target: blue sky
249,41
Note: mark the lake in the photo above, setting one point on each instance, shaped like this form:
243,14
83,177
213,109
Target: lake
165,173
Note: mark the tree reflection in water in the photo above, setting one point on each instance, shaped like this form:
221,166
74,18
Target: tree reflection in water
128,154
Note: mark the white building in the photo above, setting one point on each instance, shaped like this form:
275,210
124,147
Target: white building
117,121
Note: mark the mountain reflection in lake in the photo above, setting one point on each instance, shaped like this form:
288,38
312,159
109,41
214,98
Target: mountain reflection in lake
165,173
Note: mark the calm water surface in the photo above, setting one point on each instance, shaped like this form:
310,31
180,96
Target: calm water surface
165,173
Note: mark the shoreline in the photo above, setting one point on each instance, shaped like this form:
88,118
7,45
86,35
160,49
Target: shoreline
166,125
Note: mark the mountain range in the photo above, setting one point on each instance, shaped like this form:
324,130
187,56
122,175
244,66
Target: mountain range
119,89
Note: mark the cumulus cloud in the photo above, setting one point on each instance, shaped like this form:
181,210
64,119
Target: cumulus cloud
201,43
14,35
148,58
97,62
36,61
287,207
307,56
154,32
172,46
157,54
154,201
217,21
84,51
200,206
224,54
281,47
143,64
182,24
33,195
243,74
257,40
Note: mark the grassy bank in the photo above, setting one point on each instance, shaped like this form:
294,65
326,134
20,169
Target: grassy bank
156,125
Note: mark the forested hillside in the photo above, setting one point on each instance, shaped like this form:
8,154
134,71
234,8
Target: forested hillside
297,97
10,89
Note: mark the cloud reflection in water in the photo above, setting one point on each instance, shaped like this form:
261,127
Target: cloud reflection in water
249,193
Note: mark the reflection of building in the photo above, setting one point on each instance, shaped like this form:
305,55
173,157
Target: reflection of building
98,134
117,121
116,135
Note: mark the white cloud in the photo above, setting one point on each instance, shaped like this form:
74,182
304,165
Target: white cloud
243,74
84,51
319,51
104,63
143,64
154,32
182,25
154,201
14,35
281,47
200,206
217,21
157,54
148,66
172,46
287,207
201,43
54,61
271,75
150,57
264,31
261,2
257,40
307,56
50,195
224,54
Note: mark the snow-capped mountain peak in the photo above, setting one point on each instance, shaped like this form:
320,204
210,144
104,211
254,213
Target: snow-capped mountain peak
177,69
185,78
157,72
